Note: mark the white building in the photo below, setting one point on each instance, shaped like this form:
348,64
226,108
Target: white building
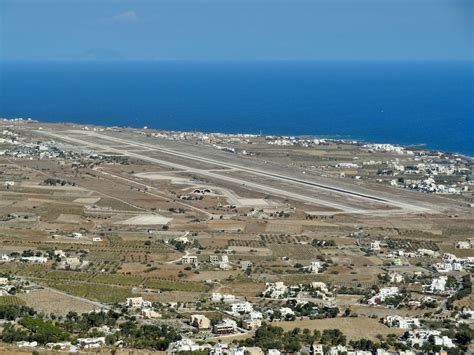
218,297
275,290
91,343
285,311
314,267
59,253
182,345
438,284
461,244
402,322
243,307
35,259
189,259
384,293
225,326
6,258
137,302
375,245
444,341
396,278
246,264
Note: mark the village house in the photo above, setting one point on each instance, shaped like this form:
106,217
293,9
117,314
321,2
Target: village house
6,258
182,345
375,245
149,313
189,259
72,263
275,290
401,322
383,293
91,343
251,324
225,326
218,297
462,244
396,278
438,284
214,259
314,267
35,259
246,265
243,307
200,321
59,253
137,302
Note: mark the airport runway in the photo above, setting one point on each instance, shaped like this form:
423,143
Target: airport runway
364,198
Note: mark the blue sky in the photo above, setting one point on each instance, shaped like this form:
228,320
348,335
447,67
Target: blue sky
237,30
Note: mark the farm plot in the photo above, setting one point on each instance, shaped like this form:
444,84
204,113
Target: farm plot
353,328
103,266
113,279
101,293
119,245
296,251
99,256
290,228
136,258
11,301
48,302
67,275
246,243
29,270
285,239
174,285
411,245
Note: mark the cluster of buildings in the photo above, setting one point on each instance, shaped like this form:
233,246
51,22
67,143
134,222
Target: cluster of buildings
397,321
420,337
450,263
145,308
383,294
387,148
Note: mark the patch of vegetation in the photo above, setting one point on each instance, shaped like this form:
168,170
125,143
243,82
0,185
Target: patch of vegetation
101,293
173,285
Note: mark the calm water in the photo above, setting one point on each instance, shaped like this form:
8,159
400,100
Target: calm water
407,103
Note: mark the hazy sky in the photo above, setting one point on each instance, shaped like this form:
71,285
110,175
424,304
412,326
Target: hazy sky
237,30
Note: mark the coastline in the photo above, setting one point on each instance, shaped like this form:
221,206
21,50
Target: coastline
334,138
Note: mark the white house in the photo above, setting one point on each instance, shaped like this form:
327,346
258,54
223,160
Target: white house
91,343
6,258
375,245
402,322
137,302
35,259
243,307
189,259
275,290
438,284
314,267
384,293
462,244
396,278
182,345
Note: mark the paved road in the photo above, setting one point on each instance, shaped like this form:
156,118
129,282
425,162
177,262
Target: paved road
406,207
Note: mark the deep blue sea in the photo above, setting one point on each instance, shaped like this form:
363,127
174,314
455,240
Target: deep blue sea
428,103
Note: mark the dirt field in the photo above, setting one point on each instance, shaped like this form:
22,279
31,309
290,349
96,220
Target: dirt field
353,328
51,302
